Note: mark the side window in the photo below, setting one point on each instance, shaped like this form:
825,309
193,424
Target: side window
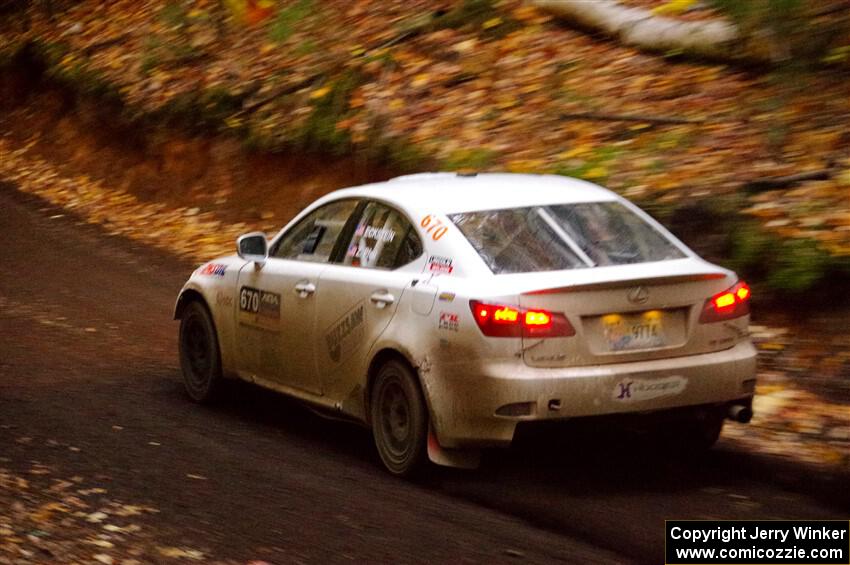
411,248
314,237
383,239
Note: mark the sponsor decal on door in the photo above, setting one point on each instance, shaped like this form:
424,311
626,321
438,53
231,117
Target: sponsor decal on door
346,334
259,308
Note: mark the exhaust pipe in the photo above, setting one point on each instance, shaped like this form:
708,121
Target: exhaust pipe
738,413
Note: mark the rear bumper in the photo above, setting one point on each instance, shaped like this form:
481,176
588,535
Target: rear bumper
479,403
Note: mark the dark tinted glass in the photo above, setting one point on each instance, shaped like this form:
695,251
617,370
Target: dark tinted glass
563,236
383,238
314,237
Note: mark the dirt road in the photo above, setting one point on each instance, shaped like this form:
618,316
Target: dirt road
90,395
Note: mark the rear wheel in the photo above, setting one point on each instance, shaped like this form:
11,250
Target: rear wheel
200,358
399,419
701,430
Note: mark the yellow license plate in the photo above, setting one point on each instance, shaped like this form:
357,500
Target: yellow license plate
624,332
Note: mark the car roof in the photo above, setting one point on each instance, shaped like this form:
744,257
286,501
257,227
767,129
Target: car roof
453,192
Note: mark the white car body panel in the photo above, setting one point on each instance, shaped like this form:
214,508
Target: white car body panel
320,347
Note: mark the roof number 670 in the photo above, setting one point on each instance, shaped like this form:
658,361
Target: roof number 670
434,227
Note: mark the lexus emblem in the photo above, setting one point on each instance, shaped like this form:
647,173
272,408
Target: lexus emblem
638,295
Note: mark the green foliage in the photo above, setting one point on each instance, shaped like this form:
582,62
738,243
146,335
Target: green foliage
173,51
306,47
468,12
475,159
287,18
9,52
478,14
173,15
776,266
218,104
785,266
776,14
397,154
183,53
798,266
592,167
48,52
75,73
840,54
150,60
415,23
736,10
790,30
320,132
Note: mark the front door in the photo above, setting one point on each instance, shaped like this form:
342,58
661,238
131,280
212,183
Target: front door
277,302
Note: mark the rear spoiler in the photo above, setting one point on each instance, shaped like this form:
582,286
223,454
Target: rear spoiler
628,283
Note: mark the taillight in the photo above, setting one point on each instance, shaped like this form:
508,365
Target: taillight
498,320
729,304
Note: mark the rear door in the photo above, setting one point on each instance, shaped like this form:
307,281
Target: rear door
362,290
277,302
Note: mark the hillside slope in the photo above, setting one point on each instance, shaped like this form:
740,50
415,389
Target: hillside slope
469,84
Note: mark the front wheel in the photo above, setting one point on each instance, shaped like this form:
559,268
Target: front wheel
200,358
399,419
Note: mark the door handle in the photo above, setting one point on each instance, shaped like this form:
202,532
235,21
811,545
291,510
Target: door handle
382,298
304,289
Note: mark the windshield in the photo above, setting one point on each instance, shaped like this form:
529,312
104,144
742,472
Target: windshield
563,236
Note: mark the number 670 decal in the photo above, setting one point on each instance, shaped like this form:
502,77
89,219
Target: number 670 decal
434,227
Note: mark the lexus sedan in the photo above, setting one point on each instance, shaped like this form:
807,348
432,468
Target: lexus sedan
441,310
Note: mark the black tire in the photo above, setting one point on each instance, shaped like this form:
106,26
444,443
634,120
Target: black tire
700,431
200,357
399,419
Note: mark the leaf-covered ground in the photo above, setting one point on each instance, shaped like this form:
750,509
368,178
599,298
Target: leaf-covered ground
54,518
471,84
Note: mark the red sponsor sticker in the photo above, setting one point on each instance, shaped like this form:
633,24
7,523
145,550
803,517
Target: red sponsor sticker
213,270
440,265
449,321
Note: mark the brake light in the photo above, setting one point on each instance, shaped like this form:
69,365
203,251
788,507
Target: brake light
538,319
505,315
498,320
727,305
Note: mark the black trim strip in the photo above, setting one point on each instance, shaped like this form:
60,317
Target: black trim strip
608,285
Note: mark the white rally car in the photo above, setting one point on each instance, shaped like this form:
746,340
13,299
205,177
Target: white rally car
443,309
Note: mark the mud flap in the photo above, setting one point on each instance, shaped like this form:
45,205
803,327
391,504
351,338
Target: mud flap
458,458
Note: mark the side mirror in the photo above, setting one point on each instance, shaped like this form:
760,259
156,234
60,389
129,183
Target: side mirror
253,247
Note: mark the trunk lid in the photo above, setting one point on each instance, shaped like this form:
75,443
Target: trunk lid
628,313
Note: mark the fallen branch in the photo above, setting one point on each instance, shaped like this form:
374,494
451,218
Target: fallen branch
643,29
763,185
595,116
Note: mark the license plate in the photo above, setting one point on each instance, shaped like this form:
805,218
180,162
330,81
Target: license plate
624,332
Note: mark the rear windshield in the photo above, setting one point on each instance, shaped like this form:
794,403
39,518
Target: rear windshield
563,236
